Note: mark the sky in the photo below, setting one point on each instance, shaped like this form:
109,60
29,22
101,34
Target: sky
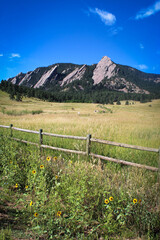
38,33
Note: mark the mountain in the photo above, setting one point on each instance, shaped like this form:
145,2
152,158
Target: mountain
104,75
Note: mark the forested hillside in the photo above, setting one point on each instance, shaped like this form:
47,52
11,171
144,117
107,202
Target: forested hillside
90,95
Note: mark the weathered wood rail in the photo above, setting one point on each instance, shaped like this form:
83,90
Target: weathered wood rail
125,145
88,140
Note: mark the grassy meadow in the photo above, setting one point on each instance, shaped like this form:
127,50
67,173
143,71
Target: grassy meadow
53,195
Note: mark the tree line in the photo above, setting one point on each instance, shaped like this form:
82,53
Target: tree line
97,95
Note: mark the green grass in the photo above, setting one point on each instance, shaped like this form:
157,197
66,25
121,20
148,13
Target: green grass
78,188
20,113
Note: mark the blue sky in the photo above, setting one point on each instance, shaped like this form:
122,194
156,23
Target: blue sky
36,33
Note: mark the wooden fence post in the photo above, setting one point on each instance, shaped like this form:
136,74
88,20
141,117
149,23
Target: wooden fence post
158,182
159,165
159,168
11,133
40,138
88,144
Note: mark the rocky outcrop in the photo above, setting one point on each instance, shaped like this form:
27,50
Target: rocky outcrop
26,78
43,80
74,75
105,68
157,80
122,85
18,78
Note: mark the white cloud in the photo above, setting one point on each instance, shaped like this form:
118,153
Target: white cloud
149,11
106,17
114,31
1,54
15,55
157,6
141,46
142,66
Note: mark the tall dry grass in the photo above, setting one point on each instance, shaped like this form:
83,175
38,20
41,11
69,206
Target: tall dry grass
134,124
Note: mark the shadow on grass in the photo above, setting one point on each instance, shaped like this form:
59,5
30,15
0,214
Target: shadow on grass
14,219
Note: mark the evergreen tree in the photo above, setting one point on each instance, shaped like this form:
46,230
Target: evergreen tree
19,97
118,102
11,96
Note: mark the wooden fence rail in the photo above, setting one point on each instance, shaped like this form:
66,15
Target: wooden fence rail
88,140
64,136
125,145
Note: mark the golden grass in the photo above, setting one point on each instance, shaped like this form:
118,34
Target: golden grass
137,123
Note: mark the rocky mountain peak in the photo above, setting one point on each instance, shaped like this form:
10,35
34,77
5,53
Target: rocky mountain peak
105,68
105,58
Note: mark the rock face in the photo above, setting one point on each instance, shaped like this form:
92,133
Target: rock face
18,78
124,86
157,80
45,77
105,68
77,74
26,78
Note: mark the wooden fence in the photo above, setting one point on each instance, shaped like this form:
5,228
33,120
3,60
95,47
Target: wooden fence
88,140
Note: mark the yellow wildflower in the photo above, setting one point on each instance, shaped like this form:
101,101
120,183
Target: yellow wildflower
59,213
42,166
111,199
48,159
55,158
34,171
31,203
26,186
36,214
16,186
134,200
106,201
140,200
56,177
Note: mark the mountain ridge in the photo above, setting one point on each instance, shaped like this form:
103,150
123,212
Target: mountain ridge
106,73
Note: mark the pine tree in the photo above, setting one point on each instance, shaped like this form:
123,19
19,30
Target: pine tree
118,102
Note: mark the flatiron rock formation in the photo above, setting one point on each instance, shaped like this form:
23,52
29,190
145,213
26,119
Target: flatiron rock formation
45,77
76,74
105,68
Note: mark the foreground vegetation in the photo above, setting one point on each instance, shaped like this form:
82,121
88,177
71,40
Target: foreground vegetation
54,197
50,195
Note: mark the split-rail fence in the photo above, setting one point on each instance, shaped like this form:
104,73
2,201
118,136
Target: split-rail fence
88,140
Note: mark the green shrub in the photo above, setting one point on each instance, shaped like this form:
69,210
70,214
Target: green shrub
36,112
